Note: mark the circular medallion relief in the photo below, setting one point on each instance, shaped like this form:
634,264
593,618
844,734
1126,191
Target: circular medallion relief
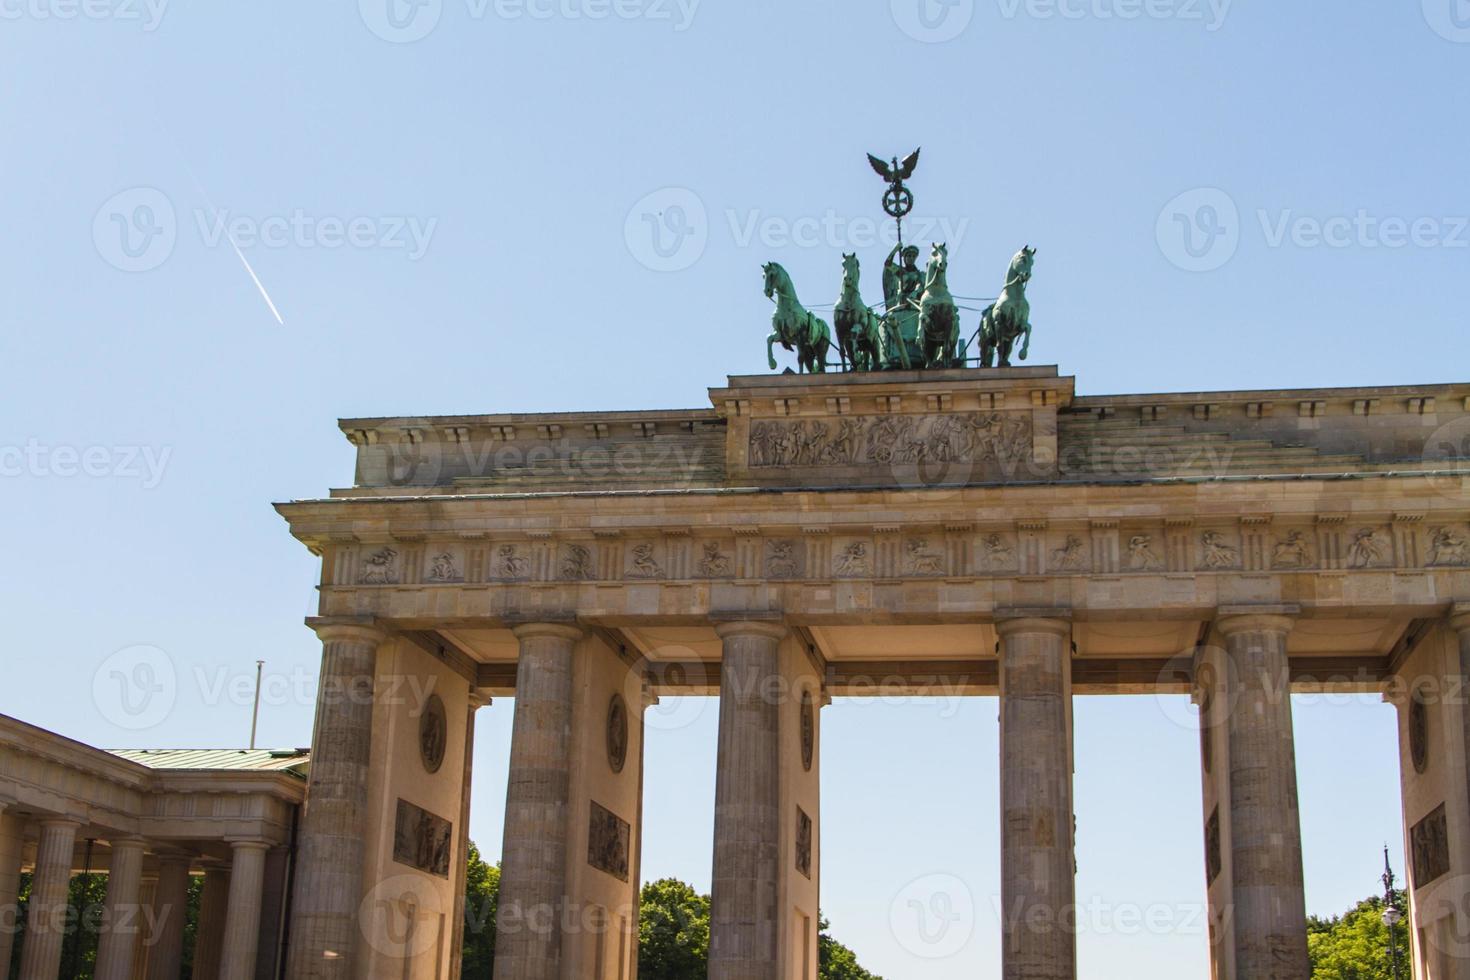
1419,731
617,733
808,730
433,734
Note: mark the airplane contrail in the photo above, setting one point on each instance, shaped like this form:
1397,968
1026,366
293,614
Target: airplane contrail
256,279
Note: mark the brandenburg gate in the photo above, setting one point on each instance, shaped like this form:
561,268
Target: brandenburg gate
982,530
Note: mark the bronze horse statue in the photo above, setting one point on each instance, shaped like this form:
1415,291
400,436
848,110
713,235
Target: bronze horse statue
939,321
859,329
793,325
1009,317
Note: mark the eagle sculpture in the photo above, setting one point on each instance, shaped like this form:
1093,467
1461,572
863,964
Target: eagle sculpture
895,172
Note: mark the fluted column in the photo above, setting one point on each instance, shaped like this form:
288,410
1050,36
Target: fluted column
122,921
1460,623
214,900
242,913
170,910
462,867
143,945
743,926
330,850
11,845
1038,864
1270,916
40,955
533,872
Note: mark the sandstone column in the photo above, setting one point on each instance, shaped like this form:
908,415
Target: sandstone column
214,900
170,909
534,856
242,915
1038,864
143,944
330,850
123,920
462,868
11,843
40,955
743,926
1270,918
1460,623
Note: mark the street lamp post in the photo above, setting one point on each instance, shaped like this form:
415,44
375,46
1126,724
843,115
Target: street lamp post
1391,914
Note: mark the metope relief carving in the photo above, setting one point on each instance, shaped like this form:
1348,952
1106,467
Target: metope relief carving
1368,548
975,437
920,560
1218,553
1448,547
999,553
853,560
577,564
379,568
510,563
713,561
643,562
1141,554
781,559
421,839
444,567
1071,556
1292,551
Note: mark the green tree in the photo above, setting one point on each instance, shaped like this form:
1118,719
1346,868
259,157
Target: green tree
673,931
82,922
1354,946
834,960
481,894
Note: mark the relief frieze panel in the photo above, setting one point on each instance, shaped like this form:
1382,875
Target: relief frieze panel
976,437
891,552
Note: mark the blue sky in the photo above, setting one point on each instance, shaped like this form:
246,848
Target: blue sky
476,206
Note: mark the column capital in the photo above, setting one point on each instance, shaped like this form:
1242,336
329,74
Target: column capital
1031,619
248,843
363,628
1460,617
128,842
550,628
769,628
479,699
1230,620
54,820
